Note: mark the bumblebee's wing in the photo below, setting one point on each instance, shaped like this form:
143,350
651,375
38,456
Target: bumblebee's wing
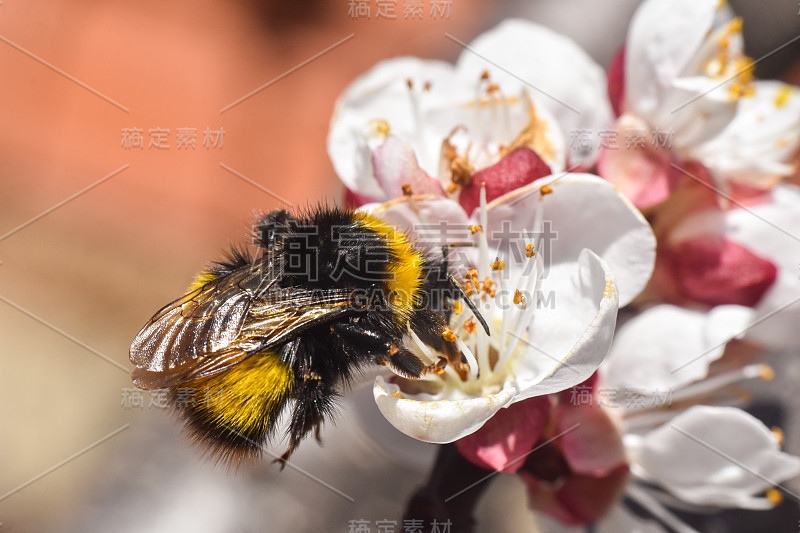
224,322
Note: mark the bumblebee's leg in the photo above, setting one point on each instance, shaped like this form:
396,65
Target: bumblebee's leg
314,399
364,338
429,327
404,363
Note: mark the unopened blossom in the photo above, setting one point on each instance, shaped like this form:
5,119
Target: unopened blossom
548,281
685,92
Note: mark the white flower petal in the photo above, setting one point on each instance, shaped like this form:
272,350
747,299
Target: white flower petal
714,456
649,348
619,520
555,71
568,342
762,137
772,231
662,38
583,211
439,420
383,94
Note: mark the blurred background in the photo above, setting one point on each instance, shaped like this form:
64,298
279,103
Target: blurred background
97,233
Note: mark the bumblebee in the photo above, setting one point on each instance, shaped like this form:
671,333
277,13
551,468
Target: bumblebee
327,293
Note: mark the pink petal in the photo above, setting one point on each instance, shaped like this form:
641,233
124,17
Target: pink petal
616,82
395,166
715,270
591,443
746,194
581,500
520,167
353,200
503,442
644,175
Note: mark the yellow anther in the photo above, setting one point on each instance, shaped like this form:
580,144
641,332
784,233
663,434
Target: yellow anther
485,75
766,373
407,190
529,251
775,496
782,95
474,229
518,298
449,336
497,264
487,284
735,26
461,170
473,273
777,434
545,190
380,127
492,88
470,326
451,188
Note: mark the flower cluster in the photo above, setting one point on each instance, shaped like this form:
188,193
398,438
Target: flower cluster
694,243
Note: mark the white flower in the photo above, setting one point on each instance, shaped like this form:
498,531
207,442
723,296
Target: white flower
593,252
688,87
431,126
680,450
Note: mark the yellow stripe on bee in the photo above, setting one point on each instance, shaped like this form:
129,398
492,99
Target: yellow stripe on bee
404,267
243,395
201,279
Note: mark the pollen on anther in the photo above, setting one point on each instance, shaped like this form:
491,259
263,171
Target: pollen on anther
457,307
473,273
777,434
497,264
545,190
529,251
774,496
407,190
782,95
451,188
474,229
518,297
470,326
485,75
449,336
380,126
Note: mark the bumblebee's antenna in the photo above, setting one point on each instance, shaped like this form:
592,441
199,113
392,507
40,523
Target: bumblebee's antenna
463,295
